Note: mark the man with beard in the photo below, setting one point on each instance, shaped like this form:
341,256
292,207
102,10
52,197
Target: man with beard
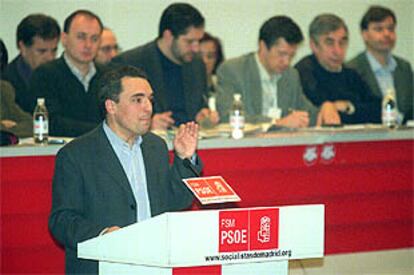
176,74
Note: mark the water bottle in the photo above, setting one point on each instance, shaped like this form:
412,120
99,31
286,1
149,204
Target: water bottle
237,117
40,122
389,109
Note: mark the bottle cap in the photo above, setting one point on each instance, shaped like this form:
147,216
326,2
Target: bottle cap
237,97
40,101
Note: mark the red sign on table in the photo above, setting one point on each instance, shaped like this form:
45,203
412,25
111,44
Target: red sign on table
211,190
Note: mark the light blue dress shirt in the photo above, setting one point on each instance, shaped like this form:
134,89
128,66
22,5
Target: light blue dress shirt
383,74
269,91
132,162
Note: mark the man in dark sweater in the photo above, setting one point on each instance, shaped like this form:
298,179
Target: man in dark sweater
37,39
324,78
176,73
69,84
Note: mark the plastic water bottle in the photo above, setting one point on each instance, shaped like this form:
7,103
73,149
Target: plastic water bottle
40,122
237,117
389,109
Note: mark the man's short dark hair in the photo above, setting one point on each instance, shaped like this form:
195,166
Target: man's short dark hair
324,24
86,13
178,18
280,27
110,86
33,25
376,14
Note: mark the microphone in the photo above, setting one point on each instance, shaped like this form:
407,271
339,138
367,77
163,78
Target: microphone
187,163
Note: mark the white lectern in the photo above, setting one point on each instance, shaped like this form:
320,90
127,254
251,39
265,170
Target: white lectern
254,241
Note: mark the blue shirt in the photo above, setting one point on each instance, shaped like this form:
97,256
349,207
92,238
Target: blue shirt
270,107
383,74
132,162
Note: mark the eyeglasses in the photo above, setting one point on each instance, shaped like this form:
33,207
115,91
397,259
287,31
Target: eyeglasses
109,48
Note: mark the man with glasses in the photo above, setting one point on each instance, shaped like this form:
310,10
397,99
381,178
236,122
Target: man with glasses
108,48
175,71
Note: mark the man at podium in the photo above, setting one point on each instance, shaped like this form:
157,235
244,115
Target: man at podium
119,173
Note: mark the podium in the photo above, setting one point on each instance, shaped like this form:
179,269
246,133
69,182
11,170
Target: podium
254,241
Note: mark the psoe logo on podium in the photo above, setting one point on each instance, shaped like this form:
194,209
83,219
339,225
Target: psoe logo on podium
246,230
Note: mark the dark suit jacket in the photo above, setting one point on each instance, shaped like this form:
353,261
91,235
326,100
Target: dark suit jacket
13,74
403,81
91,191
147,58
241,75
72,111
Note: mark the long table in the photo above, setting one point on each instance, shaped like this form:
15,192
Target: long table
364,178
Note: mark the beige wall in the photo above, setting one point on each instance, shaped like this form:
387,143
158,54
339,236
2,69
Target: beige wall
236,21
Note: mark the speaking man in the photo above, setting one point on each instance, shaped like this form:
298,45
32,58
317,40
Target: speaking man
119,173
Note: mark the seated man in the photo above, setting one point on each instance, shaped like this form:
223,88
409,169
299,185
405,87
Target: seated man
37,40
12,118
176,73
324,78
270,88
380,69
108,48
119,173
69,84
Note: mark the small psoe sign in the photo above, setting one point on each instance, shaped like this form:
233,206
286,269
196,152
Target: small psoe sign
209,190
